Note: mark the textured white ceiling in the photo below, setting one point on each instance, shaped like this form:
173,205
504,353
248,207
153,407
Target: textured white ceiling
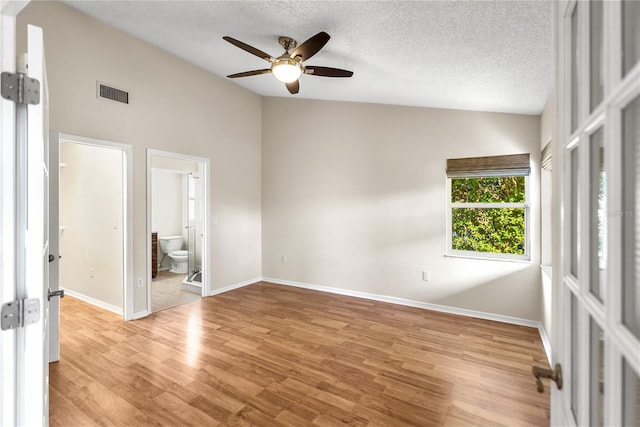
472,55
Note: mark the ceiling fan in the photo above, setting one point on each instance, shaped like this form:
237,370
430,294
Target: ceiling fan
289,66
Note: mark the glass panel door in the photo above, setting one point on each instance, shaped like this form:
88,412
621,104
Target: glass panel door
193,232
630,220
598,215
597,319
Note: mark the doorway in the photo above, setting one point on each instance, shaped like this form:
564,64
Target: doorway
93,226
177,206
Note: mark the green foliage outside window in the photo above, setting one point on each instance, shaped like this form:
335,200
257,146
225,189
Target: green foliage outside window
501,189
496,230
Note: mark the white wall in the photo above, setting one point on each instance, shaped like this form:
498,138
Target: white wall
166,206
175,106
91,191
547,130
354,195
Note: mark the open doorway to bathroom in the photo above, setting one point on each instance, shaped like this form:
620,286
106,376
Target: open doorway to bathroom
177,237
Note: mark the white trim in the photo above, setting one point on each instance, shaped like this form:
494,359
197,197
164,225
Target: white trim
93,301
235,286
494,205
207,276
409,303
526,206
127,211
487,256
7,215
139,315
546,342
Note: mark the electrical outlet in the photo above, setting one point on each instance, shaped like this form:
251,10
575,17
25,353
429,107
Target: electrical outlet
426,276
283,258
91,272
140,282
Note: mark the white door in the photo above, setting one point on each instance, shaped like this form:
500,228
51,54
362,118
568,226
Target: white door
597,312
8,12
54,244
24,235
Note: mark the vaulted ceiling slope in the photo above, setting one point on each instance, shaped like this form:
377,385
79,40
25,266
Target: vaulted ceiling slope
471,55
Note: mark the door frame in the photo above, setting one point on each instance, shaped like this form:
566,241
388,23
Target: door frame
127,210
8,13
206,250
10,402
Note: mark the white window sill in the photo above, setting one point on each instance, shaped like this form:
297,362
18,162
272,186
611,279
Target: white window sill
523,260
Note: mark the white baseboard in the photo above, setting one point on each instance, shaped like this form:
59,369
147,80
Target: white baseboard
546,342
93,301
234,286
139,315
410,303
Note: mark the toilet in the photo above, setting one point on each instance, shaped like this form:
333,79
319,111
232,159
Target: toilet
170,246
179,261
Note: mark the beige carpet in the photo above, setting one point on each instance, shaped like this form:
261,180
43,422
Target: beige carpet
166,291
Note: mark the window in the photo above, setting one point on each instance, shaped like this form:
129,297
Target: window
487,207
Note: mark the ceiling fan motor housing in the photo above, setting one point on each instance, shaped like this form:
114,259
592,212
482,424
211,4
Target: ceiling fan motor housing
287,43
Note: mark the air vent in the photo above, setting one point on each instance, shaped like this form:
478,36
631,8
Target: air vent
112,93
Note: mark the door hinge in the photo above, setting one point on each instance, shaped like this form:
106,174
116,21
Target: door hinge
16,314
20,88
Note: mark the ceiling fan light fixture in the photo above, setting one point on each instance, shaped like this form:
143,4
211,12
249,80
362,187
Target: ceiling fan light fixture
286,70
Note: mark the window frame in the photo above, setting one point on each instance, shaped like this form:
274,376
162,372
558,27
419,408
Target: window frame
526,257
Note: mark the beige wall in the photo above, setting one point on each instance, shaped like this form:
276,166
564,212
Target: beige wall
354,196
91,220
175,106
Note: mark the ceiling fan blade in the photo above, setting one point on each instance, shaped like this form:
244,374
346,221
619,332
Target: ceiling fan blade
327,71
250,73
293,87
310,47
252,50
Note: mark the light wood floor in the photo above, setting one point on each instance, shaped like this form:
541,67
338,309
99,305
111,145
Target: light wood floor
271,355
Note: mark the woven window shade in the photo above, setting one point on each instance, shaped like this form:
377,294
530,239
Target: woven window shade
510,165
545,163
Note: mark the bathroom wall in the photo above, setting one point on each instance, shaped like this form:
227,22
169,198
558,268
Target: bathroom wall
166,206
91,243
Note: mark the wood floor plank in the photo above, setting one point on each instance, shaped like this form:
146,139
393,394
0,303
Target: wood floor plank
271,355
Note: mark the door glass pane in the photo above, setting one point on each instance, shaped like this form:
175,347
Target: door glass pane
630,396
596,40
574,212
630,34
574,68
597,374
598,215
630,218
575,379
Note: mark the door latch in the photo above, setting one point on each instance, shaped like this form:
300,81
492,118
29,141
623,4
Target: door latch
58,293
553,374
19,313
